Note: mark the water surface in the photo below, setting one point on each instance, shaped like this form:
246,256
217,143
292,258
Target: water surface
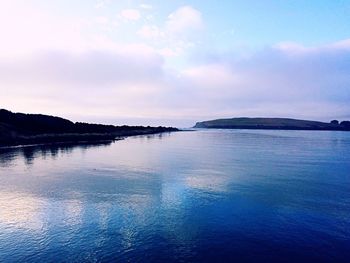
204,196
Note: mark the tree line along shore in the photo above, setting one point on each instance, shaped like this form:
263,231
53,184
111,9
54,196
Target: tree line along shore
22,129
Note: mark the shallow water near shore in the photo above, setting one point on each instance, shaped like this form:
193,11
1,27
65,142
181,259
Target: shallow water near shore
202,196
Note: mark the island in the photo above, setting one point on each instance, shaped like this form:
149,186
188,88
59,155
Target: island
24,129
273,124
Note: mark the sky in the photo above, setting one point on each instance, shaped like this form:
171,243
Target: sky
175,62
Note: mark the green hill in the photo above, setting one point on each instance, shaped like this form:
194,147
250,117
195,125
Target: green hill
272,124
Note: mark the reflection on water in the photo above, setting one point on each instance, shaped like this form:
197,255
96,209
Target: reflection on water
21,210
208,180
204,196
29,153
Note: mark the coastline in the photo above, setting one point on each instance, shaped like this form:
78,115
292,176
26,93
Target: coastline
27,129
271,128
74,138
274,124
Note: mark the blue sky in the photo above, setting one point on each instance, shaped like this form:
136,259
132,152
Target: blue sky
175,62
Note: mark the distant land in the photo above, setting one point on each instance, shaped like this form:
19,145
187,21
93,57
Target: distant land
274,124
21,129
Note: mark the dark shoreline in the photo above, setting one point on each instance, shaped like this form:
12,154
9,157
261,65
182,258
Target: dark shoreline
27,129
47,139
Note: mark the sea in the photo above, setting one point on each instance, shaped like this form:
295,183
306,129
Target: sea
190,196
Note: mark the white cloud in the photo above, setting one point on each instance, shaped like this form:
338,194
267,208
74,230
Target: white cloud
296,48
345,44
130,14
150,31
212,76
102,4
146,6
168,52
184,19
178,34
101,20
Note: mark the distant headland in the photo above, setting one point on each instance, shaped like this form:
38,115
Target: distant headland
274,124
21,129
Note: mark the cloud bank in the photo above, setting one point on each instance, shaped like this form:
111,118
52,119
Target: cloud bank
289,81
55,67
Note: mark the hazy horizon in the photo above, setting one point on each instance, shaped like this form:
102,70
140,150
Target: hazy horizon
175,63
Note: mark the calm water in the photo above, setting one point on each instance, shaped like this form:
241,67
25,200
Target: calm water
205,196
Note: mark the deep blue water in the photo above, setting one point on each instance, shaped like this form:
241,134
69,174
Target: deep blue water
204,196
